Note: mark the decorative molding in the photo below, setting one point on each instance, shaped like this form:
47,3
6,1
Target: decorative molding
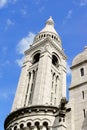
78,85
26,111
74,66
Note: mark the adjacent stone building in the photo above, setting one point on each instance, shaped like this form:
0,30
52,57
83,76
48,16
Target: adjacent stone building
40,100
78,92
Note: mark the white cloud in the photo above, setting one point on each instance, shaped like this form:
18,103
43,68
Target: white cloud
68,69
41,9
14,0
68,16
37,2
24,45
83,2
4,63
9,22
25,42
4,50
23,12
80,3
20,61
3,3
6,95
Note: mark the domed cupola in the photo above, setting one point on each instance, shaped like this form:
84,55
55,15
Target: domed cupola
80,57
50,21
49,27
48,31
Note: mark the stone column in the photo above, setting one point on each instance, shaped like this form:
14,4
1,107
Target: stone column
44,128
43,80
29,88
27,128
58,91
61,126
35,128
54,95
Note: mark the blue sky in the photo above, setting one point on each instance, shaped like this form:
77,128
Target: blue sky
20,20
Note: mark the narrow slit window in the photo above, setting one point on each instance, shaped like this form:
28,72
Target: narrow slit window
51,97
52,84
82,71
55,88
83,94
84,113
55,101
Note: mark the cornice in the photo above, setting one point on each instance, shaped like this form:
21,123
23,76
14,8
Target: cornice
74,66
22,112
78,85
43,42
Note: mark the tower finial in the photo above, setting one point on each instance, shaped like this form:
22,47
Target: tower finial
50,21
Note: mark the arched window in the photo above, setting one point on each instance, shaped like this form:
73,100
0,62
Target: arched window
37,125
52,36
15,128
41,36
21,126
55,61
36,58
44,35
45,126
10,129
29,125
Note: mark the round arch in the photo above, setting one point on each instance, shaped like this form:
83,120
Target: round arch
55,60
35,56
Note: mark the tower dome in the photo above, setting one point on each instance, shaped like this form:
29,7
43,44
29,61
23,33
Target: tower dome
80,57
49,26
50,21
48,31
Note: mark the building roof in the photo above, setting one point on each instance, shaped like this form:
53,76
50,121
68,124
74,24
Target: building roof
49,26
81,57
48,31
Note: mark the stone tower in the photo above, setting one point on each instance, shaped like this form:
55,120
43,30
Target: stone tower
39,101
78,92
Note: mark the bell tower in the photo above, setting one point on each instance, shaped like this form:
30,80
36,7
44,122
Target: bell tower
42,84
